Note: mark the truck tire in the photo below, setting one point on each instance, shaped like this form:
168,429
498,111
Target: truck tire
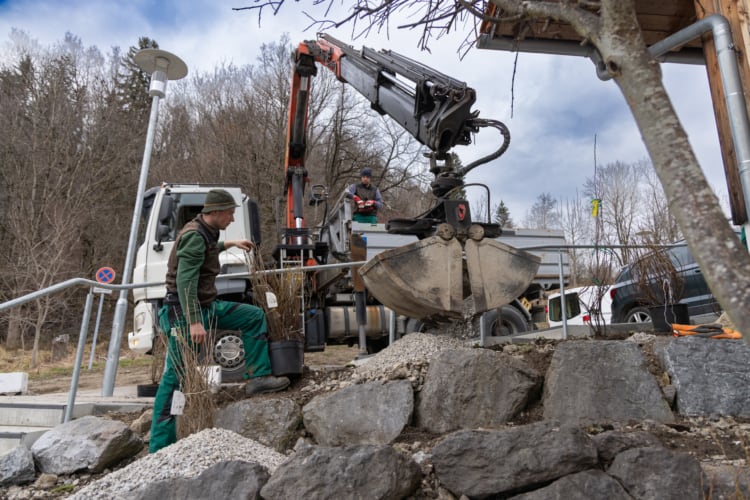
509,322
414,326
228,352
375,345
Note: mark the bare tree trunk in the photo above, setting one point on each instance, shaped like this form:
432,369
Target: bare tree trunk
15,330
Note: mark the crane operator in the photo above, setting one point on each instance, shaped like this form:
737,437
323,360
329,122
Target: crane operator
367,198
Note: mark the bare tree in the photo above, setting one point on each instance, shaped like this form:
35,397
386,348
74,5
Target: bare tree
544,213
658,219
48,178
616,185
576,224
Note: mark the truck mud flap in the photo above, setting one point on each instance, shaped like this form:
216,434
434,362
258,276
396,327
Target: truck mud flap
498,273
422,280
425,280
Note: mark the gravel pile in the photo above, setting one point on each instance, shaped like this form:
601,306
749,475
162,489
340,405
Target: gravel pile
406,358
186,458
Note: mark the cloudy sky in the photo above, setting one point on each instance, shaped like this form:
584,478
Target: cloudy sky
559,106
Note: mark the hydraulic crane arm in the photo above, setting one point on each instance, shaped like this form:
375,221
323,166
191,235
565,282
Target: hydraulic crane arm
431,106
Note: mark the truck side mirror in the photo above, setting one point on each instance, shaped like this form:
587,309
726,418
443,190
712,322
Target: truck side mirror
253,212
166,219
162,231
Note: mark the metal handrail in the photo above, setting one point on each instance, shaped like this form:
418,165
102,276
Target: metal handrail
84,322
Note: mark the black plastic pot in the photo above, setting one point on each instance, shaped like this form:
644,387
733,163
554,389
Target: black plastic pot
287,357
662,317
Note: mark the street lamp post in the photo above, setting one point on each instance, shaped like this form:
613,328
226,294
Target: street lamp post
162,66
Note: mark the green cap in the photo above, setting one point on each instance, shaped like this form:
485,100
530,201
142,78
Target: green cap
218,199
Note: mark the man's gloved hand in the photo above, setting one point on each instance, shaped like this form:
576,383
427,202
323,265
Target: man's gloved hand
370,203
361,204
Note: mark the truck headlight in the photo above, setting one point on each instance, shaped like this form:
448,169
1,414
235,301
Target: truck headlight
140,320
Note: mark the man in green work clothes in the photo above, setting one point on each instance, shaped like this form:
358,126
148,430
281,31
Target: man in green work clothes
191,306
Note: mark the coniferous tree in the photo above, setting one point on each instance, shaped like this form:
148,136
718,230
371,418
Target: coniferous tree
502,215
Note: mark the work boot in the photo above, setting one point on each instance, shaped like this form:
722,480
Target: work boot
269,383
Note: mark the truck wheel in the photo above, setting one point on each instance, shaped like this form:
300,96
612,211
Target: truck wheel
638,315
414,326
229,353
375,345
510,322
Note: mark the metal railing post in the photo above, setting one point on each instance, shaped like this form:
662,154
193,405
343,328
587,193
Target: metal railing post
563,306
391,327
79,356
96,329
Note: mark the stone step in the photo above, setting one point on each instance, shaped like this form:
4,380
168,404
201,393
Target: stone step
25,417
32,414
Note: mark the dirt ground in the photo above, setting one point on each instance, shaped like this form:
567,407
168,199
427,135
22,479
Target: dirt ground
133,369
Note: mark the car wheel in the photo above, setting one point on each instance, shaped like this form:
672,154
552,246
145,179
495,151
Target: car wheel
510,322
638,315
229,353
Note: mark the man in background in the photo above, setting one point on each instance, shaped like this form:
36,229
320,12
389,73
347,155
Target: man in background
367,198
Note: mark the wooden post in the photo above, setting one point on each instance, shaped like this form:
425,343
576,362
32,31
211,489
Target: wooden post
736,12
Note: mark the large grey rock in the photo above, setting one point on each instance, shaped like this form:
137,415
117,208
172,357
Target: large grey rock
90,443
473,388
711,376
272,422
593,484
658,473
371,413
611,443
356,472
231,479
602,381
17,466
480,464
726,482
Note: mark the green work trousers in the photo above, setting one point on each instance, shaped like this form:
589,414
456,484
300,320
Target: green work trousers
219,315
366,218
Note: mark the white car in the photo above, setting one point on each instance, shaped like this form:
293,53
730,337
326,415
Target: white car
581,304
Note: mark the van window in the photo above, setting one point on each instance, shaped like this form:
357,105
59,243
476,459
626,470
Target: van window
572,307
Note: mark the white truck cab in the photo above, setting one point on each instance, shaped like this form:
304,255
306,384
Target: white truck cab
167,208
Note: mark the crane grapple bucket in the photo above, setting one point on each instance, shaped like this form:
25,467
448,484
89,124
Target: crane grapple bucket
419,280
426,279
498,273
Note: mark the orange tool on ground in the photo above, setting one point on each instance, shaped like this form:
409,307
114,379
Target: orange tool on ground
712,330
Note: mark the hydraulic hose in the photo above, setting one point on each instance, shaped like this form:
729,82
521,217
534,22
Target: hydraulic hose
480,123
